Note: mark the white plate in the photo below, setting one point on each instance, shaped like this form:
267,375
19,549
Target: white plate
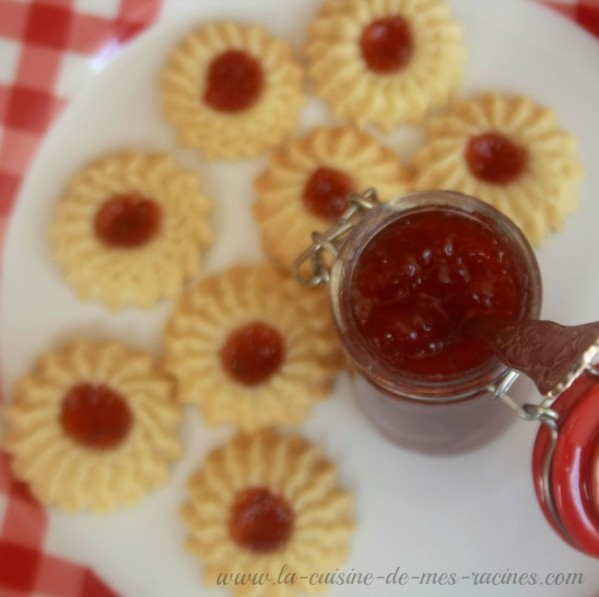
465,514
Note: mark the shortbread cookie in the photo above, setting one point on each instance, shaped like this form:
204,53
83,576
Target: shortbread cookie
252,348
131,229
384,62
231,90
306,185
507,151
268,505
93,427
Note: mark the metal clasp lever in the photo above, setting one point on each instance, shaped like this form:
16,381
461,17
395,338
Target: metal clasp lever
552,355
324,248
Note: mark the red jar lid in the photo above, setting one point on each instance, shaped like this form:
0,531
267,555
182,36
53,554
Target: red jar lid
570,501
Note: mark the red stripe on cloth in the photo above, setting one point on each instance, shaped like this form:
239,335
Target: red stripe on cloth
25,523
135,11
4,95
19,567
38,67
13,19
10,593
588,15
89,34
48,26
16,152
59,3
26,571
30,110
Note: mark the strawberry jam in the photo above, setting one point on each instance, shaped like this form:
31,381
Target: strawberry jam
387,45
95,416
260,521
253,353
421,278
326,191
234,81
494,158
127,221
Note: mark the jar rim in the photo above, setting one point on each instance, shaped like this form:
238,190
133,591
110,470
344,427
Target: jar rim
424,388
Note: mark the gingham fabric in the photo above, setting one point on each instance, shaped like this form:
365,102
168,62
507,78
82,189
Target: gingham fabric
46,53
583,12
25,569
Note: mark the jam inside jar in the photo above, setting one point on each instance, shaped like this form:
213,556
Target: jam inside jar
406,279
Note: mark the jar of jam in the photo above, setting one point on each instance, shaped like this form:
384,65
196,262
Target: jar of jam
566,463
405,278
436,298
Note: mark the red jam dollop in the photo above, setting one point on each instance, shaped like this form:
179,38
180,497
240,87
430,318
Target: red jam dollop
493,157
325,193
234,81
260,520
95,416
387,45
127,221
253,353
421,278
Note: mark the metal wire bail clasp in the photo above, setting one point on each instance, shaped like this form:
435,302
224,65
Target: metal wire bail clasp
324,248
552,355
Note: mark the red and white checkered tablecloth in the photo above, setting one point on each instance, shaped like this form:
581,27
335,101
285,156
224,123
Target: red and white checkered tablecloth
46,52
46,49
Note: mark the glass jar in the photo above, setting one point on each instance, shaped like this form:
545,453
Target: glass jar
440,413
445,412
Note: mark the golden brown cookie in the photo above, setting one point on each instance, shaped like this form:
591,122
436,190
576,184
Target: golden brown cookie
130,229
93,427
231,90
508,151
265,504
384,62
306,184
252,348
